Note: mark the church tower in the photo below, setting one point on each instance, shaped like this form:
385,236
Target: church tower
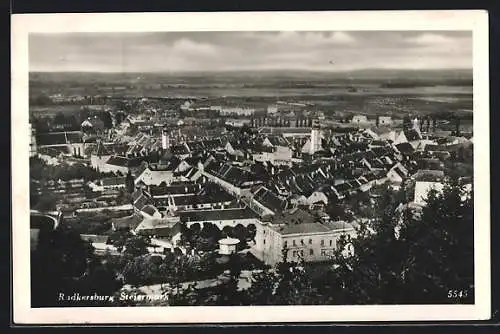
315,137
165,140
416,127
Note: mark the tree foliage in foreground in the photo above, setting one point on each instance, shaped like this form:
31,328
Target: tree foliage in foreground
431,255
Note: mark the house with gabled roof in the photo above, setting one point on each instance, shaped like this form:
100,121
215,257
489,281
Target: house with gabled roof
342,190
399,138
266,203
405,149
322,195
120,164
99,156
397,174
128,223
150,211
235,180
370,134
140,198
168,230
156,174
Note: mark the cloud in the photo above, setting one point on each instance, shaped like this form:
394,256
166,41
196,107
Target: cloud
339,37
432,40
205,51
186,46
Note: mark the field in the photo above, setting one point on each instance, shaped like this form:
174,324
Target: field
51,111
367,92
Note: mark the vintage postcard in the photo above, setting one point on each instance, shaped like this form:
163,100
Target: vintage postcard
294,166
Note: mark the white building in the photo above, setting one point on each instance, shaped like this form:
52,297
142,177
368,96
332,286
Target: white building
154,175
220,218
359,119
272,109
384,120
227,246
227,111
425,181
422,189
304,240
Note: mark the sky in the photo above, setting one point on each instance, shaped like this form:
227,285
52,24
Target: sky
233,51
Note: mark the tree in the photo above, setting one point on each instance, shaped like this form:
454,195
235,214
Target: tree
287,284
140,270
227,232
251,231
432,252
444,256
136,246
83,114
59,118
46,202
227,293
118,238
64,263
335,210
195,229
240,232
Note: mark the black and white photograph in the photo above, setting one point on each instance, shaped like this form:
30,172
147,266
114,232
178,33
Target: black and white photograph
225,165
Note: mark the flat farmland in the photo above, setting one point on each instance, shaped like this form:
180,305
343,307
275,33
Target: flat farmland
51,111
381,92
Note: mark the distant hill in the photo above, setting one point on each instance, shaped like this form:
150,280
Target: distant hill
367,75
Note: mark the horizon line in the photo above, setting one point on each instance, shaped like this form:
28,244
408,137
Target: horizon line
257,70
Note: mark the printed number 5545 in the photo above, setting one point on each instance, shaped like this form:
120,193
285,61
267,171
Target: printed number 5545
457,293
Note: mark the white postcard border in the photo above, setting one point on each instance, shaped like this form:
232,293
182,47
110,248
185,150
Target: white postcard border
23,24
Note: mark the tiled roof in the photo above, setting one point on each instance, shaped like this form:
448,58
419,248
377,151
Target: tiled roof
302,228
277,140
179,149
149,209
208,215
405,148
167,164
120,161
187,188
129,222
343,187
270,200
158,226
429,175
229,173
140,198
296,221
196,145
338,225
113,181
53,138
